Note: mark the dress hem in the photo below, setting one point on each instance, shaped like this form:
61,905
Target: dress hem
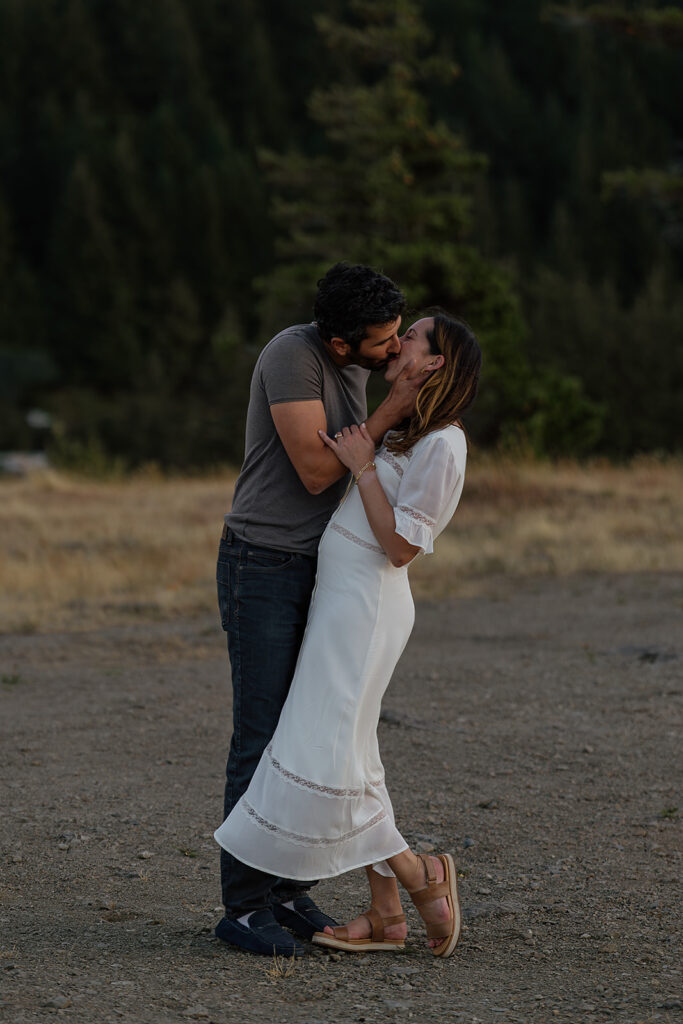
320,875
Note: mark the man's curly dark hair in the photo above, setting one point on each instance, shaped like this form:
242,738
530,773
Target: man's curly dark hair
352,298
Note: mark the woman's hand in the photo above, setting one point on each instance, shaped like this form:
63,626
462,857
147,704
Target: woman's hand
353,446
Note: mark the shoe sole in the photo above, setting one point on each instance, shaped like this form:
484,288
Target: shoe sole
355,945
248,945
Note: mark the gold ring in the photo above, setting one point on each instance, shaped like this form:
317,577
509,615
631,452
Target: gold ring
339,434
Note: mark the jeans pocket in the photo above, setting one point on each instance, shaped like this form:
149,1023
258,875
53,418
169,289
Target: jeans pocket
268,559
224,594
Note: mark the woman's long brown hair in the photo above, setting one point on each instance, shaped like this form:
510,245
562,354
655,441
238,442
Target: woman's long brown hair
449,391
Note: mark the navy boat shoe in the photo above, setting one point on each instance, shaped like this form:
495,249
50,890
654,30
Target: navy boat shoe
261,934
304,918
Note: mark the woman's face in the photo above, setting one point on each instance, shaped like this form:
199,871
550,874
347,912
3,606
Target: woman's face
414,345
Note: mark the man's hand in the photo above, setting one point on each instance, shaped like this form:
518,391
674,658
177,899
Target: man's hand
403,394
399,403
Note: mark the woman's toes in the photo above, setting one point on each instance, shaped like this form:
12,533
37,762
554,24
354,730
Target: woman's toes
327,930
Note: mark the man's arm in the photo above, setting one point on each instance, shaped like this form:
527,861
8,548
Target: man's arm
298,423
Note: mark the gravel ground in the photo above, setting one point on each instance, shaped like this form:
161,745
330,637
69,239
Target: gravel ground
532,732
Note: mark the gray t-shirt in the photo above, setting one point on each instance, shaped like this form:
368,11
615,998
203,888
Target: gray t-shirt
271,507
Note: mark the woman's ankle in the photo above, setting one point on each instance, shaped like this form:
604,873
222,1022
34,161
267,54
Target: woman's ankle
388,908
418,879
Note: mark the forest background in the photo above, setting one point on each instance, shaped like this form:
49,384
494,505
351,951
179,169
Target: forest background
175,175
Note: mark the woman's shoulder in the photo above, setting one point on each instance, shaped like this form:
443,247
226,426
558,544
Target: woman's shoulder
448,442
449,438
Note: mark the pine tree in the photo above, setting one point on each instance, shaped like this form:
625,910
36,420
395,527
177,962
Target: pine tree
393,189
660,26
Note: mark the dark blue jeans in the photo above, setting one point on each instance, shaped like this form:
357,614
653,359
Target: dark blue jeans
263,597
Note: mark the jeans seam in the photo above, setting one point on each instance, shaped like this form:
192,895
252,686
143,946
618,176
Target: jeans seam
236,666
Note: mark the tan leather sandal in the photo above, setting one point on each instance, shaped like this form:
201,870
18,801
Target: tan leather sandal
448,930
341,940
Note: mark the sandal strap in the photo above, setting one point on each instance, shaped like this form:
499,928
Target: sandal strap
376,924
396,919
441,930
429,867
431,892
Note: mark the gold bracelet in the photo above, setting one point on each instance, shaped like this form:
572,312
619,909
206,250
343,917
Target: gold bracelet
368,465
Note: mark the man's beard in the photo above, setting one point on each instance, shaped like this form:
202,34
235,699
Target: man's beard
375,364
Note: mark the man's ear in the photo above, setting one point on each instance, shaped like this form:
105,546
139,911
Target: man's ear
340,346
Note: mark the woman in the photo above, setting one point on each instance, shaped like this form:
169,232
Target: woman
317,805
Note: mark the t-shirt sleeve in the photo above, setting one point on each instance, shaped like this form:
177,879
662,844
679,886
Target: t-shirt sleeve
291,371
426,489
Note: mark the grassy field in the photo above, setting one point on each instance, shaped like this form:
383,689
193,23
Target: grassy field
78,553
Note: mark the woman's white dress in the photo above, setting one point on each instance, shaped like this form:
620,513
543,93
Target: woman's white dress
317,805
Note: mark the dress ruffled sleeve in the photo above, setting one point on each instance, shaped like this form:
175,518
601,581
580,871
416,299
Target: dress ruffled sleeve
426,489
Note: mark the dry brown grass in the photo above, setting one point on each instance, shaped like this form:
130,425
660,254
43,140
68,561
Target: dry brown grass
78,553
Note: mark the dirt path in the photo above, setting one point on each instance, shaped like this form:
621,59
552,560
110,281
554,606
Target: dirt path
533,733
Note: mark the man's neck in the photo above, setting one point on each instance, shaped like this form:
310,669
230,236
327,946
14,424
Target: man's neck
335,358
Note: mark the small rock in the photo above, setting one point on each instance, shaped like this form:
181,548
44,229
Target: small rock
335,957
62,846
488,805
423,846
197,1012
17,859
391,718
145,854
58,1003
467,842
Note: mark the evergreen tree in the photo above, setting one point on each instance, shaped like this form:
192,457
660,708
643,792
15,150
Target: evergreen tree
394,189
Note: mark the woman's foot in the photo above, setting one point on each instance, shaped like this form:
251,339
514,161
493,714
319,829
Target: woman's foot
437,911
361,928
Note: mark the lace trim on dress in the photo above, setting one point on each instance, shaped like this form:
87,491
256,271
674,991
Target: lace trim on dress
295,837
318,787
419,517
387,457
356,540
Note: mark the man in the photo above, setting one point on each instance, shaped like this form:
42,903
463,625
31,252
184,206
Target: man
309,377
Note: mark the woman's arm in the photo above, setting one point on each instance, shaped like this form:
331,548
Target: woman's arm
382,522
356,448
